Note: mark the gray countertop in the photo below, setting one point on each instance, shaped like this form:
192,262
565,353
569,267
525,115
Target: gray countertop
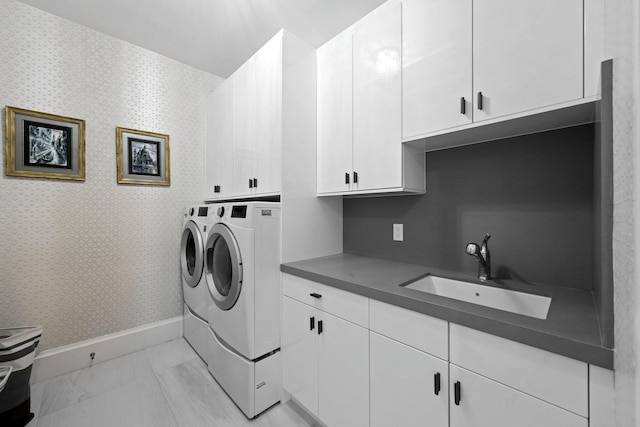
571,328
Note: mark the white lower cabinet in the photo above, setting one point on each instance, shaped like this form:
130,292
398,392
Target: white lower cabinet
300,353
326,364
477,401
353,361
556,379
408,387
343,367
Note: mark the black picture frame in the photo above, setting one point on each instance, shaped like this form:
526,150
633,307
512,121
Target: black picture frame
145,157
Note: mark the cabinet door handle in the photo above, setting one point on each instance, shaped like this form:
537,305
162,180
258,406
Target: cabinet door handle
457,393
315,295
355,177
436,384
346,177
319,327
479,100
250,183
255,182
312,323
463,106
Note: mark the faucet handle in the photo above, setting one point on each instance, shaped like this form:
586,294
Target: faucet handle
472,249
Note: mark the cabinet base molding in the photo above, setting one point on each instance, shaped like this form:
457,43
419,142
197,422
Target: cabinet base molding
299,409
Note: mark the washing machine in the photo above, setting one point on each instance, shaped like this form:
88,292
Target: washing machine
194,286
242,273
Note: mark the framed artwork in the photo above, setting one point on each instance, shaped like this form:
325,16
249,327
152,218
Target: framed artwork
41,145
142,157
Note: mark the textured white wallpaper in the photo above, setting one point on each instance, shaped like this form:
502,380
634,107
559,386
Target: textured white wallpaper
623,44
91,258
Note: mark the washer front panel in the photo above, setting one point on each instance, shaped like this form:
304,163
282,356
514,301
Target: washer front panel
191,254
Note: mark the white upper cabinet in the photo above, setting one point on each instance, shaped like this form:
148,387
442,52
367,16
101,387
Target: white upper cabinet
377,95
360,148
335,108
436,65
244,126
594,13
526,55
219,172
268,117
247,122
258,121
469,61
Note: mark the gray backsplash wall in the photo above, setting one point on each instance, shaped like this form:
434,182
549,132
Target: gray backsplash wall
533,193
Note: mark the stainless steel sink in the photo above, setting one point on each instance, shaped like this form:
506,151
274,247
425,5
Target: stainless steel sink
502,299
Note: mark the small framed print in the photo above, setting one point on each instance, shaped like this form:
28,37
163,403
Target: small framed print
142,157
41,145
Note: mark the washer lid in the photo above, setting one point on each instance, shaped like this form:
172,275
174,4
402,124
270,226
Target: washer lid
223,266
191,254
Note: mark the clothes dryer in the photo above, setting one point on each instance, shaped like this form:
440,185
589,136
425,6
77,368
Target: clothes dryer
194,287
242,272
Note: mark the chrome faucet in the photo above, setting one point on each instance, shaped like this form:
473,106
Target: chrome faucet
483,256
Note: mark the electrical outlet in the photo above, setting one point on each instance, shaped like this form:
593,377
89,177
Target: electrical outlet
398,233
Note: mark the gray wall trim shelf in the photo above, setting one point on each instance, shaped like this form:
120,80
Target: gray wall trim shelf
603,207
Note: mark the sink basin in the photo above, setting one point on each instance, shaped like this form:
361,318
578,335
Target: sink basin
502,299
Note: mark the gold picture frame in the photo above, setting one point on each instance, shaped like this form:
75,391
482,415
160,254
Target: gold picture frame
42,145
142,157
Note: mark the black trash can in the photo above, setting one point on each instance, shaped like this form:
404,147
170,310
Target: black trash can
17,350
5,373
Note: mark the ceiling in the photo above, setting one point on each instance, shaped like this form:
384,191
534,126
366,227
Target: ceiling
213,35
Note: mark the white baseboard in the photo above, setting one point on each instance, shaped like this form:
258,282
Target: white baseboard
62,360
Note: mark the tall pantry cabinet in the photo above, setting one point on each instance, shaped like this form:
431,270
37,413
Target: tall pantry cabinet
261,143
244,118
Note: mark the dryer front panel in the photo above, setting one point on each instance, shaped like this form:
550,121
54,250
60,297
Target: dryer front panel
191,254
223,267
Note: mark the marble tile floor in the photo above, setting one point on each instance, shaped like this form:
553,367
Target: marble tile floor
165,385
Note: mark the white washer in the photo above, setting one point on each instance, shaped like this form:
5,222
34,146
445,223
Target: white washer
194,287
242,271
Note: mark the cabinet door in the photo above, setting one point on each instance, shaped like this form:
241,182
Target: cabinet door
526,54
220,142
436,65
300,353
268,116
335,110
486,403
244,126
343,373
377,93
404,382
